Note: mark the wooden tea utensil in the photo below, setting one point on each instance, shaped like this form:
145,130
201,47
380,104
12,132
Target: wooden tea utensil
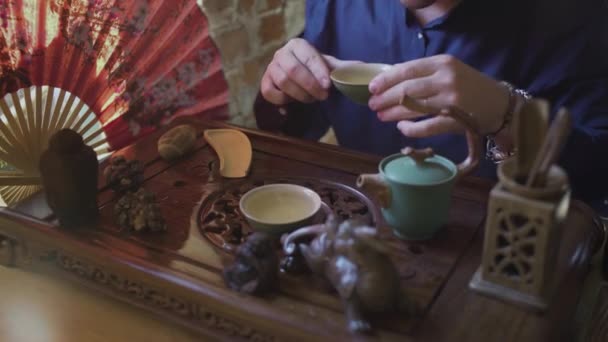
552,147
530,124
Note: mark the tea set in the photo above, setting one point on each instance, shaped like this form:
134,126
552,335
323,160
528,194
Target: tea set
413,190
413,187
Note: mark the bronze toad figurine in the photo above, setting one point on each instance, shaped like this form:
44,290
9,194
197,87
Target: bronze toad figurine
255,269
357,265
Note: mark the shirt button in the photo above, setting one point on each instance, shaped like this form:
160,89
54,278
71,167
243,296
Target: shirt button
420,35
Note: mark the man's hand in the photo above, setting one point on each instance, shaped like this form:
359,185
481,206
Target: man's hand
431,84
298,72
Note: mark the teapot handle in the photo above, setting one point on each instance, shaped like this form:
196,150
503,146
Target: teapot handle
472,136
473,143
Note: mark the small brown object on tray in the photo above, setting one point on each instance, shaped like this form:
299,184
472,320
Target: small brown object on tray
124,175
139,211
176,142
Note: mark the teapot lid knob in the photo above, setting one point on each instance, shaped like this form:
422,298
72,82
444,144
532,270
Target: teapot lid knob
419,156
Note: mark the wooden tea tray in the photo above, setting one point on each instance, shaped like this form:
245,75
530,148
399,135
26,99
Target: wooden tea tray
177,274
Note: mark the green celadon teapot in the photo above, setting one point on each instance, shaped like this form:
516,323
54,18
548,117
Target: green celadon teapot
414,187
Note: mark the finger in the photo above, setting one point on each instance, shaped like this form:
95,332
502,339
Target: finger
401,72
439,100
299,74
335,63
467,120
313,60
420,106
282,82
271,93
429,127
420,88
398,113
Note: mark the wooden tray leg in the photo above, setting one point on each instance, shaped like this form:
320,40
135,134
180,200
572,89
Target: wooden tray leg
7,251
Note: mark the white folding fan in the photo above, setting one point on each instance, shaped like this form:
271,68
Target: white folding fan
112,70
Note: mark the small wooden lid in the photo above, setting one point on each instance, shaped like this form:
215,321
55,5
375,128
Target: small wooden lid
66,141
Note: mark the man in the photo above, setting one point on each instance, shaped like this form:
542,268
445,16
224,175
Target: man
485,57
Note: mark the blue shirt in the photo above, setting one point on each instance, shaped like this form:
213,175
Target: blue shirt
560,55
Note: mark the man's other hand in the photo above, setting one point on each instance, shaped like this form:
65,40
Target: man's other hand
298,72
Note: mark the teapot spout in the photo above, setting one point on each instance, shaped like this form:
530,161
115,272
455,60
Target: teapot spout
377,186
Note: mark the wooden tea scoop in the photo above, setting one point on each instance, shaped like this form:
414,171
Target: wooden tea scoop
551,149
530,125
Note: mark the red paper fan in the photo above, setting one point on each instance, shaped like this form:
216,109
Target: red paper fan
112,70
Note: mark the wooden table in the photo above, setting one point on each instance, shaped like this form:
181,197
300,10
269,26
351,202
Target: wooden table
177,275
43,307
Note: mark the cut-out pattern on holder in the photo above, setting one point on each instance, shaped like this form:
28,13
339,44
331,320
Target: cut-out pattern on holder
515,247
221,222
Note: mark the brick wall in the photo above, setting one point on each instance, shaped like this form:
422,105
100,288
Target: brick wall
248,32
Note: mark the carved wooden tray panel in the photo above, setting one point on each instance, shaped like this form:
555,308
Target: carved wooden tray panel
204,228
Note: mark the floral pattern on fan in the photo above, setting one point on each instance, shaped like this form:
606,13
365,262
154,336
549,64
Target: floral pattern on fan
150,106
135,63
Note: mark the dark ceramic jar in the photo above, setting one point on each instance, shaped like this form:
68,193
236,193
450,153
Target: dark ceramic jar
69,171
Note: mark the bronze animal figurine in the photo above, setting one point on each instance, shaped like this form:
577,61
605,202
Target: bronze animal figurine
255,269
357,265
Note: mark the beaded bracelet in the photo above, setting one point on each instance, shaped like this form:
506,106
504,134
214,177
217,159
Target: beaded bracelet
493,153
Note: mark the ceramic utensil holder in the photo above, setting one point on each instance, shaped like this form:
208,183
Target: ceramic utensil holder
522,238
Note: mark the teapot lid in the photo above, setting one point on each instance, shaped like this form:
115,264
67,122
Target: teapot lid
407,170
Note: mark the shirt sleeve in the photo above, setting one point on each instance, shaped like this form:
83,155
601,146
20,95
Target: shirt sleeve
585,156
307,121
577,78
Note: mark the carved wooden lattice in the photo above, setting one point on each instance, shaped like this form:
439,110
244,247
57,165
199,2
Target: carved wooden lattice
160,300
221,222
